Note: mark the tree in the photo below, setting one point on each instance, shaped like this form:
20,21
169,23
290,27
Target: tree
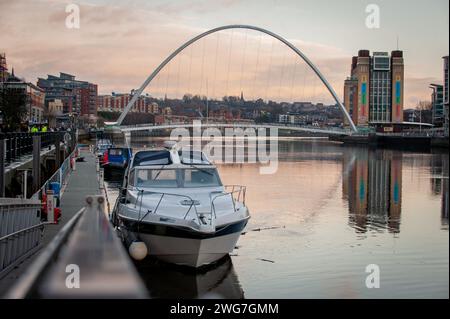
12,107
424,110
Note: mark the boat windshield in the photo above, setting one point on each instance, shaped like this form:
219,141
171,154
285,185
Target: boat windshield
176,178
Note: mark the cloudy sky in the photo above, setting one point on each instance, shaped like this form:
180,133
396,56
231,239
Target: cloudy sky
119,43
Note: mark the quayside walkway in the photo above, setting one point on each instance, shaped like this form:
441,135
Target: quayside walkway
84,240
82,182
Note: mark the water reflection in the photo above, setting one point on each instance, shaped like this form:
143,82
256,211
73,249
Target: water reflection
318,251
169,281
372,185
444,191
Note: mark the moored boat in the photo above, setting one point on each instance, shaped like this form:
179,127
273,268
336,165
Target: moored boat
174,202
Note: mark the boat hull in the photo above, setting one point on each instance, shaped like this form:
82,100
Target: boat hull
188,251
186,247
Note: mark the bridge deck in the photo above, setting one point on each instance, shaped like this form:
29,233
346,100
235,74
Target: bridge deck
82,182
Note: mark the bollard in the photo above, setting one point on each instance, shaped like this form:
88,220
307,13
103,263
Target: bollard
97,164
51,218
73,162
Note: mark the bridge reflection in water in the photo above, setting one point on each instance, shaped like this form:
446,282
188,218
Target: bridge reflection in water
373,188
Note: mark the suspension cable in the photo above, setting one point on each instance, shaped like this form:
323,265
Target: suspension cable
243,61
270,71
256,68
201,69
294,73
229,61
215,66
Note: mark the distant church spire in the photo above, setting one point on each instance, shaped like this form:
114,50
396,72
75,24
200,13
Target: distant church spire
242,96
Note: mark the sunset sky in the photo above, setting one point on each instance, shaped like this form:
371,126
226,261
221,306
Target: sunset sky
119,43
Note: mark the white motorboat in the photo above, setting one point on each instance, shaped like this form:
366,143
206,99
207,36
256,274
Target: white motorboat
175,203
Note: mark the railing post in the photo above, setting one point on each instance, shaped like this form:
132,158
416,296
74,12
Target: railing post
13,146
8,147
2,167
25,184
19,145
57,150
36,163
101,177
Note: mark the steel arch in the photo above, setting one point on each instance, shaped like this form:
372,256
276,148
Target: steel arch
236,26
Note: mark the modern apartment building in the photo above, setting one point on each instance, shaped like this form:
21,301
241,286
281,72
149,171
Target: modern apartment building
117,103
78,97
437,105
373,94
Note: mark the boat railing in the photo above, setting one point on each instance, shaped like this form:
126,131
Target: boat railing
189,201
237,194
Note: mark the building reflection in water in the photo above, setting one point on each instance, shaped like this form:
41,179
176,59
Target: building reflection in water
169,281
439,183
444,208
372,184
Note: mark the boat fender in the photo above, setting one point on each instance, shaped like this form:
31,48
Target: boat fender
138,250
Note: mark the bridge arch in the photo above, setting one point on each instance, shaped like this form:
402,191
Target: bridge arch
236,26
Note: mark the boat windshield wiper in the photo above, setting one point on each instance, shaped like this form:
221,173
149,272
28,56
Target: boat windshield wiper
159,172
201,169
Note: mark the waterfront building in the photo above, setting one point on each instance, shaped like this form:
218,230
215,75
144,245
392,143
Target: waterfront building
3,68
373,93
117,102
35,97
78,97
437,105
153,108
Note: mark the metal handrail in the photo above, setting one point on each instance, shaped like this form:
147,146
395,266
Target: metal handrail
41,225
38,193
100,256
